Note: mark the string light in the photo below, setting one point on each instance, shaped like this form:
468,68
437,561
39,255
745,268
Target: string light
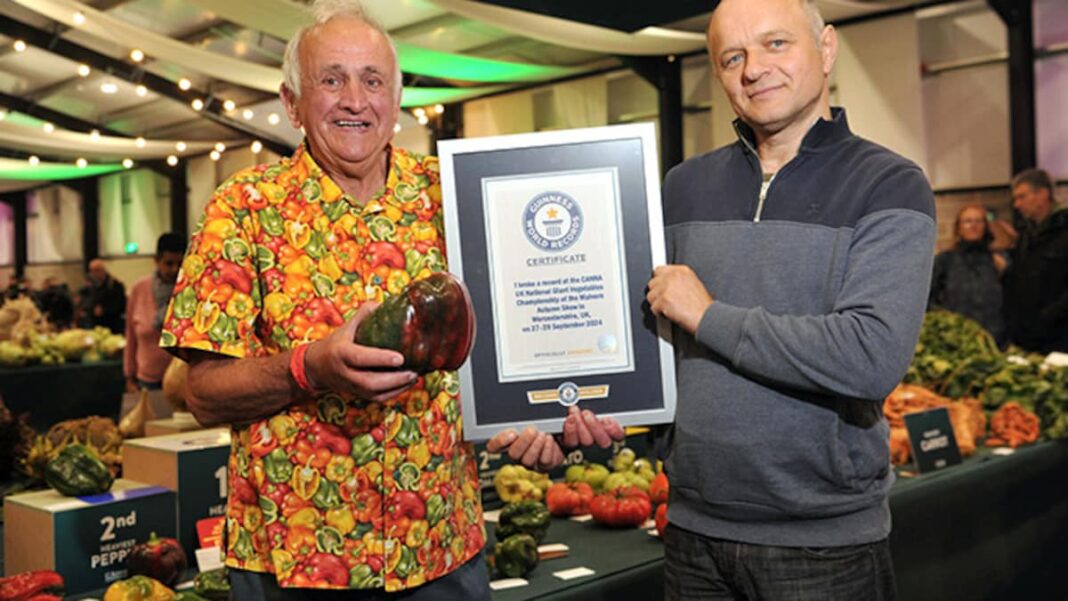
419,112
197,104
33,160
84,70
109,87
20,46
184,84
81,163
94,134
136,55
273,119
220,147
423,119
248,114
140,142
439,108
215,154
172,160
180,146
256,147
141,90
229,105
127,163
48,127
78,18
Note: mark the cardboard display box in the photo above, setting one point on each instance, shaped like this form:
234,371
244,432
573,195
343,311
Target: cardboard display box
86,539
193,464
178,422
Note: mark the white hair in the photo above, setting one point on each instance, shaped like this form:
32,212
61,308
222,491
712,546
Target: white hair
815,18
323,11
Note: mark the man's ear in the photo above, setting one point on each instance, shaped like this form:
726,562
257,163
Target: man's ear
289,101
829,48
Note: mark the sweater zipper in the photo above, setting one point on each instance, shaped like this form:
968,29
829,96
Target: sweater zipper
763,196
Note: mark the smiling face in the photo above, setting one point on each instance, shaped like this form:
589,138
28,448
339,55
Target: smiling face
348,100
770,63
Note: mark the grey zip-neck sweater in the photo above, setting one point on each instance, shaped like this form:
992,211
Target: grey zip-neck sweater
820,284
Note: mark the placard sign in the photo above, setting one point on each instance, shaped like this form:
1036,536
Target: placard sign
934,445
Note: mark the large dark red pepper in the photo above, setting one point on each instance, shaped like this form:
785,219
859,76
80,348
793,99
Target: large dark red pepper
27,585
405,503
328,568
159,558
384,253
233,275
331,437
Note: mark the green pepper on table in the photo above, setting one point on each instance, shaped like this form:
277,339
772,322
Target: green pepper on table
77,471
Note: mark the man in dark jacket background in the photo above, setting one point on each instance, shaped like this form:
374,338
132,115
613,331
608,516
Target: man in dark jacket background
1036,284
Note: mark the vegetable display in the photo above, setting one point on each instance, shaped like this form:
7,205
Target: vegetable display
37,585
431,323
625,507
77,471
212,585
569,498
1012,426
593,474
138,588
524,517
516,556
159,558
516,483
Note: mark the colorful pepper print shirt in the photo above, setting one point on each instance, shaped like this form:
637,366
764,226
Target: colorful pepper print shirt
334,492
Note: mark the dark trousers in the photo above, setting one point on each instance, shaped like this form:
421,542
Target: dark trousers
699,567
467,582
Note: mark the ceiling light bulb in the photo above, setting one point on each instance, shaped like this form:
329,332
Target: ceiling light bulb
197,104
33,160
127,163
3,114
422,119
141,90
172,160
248,114
84,70
78,18
184,83
20,46
220,147
140,142
81,163
180,146
229,105
136,55
94,134
48,127
439,108
419,112
215,154
396,127
273,119
256,147
109,87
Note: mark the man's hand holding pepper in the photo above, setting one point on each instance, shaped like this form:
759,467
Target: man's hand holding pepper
337,363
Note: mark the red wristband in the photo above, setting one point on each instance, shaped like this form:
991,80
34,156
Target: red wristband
297,368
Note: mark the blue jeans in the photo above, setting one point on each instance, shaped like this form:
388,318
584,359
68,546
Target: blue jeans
699,567
467,582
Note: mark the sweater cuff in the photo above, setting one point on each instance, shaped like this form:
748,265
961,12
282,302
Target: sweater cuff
721,328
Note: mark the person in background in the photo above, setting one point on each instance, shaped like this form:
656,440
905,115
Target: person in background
966,278
800,261
346,471
144,362
1036,282
105,300
55,302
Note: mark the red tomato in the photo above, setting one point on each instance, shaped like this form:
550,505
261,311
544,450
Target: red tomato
572,498
627,506
661,518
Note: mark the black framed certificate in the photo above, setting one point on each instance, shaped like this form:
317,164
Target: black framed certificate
556,235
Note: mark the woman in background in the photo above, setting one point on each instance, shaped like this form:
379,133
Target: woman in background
966,279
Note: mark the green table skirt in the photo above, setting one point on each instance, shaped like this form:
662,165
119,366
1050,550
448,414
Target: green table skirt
53,393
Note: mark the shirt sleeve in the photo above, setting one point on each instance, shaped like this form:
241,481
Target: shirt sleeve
217,300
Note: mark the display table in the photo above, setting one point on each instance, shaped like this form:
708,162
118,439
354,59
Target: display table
993,528
52,393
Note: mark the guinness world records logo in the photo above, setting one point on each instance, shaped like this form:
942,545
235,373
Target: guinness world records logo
552,221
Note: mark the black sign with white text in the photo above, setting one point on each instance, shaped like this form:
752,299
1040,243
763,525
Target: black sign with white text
934,445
